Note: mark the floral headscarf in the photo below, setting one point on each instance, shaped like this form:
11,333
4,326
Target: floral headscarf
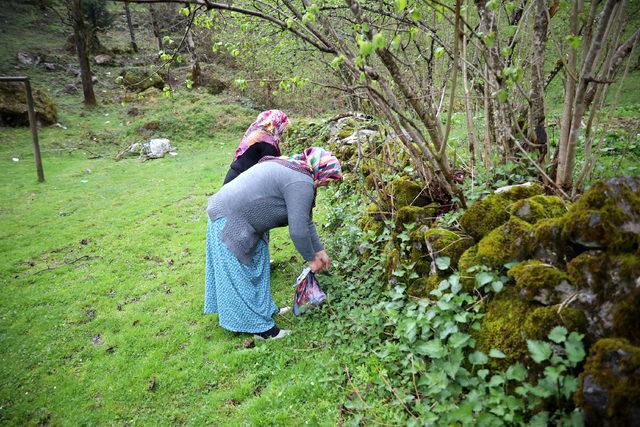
322,164
268,128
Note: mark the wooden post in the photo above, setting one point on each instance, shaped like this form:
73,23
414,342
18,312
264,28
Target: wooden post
33,124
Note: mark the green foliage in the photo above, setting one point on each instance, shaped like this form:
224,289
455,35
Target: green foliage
422,351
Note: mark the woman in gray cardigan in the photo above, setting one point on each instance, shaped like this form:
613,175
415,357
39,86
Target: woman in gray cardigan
276,192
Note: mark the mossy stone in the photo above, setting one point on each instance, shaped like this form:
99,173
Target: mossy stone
420,215
536,281
610,384
540,321
444,243
492,211
604,281
626,317
140,79
548,243
468,259
14,110
607,216
502,328
423,286
406,192
538,207
373,219
511,241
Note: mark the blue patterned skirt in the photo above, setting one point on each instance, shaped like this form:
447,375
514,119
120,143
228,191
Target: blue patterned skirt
239,293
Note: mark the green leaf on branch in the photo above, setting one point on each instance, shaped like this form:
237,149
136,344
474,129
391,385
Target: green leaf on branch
439,52
378,41
401,5
540,351
574,41
574,348
395,43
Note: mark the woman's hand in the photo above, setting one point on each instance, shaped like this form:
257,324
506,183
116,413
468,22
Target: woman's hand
326,261
320,263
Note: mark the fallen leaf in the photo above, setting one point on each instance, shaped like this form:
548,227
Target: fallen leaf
249,343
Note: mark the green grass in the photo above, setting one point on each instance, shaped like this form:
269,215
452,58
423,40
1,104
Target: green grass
115,250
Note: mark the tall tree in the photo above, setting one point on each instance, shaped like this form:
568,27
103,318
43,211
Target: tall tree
80,33
132,34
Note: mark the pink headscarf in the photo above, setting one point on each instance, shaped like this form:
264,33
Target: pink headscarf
268,128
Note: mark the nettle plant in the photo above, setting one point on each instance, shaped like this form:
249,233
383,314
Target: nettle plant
426,363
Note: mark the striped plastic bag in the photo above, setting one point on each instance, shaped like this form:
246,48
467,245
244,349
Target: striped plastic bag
308,293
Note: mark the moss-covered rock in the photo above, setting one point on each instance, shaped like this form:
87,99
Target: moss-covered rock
502,328
626,317
510,321
610,384
549,245
420,215
604,281
607,216
423,286
139,79
540,321
492,211
13,106
511,241
443,242
405,192
538,207
468,259
537,281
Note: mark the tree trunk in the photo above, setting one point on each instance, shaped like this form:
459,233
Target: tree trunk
569,94
565,180
155,25
127,12
537,128
79,33
195,66
471,138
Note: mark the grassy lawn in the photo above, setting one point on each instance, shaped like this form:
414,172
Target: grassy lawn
101,321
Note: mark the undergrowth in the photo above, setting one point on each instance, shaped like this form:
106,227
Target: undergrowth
416,357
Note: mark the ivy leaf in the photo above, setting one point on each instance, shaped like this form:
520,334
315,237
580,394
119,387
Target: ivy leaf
541,419
433,348
401,5
443,262
454,280
497,354
574,348
558,334
569,386
497,286
458,339
483,278
540,351
516,372
478,358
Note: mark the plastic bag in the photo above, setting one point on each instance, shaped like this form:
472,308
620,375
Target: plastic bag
308,293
